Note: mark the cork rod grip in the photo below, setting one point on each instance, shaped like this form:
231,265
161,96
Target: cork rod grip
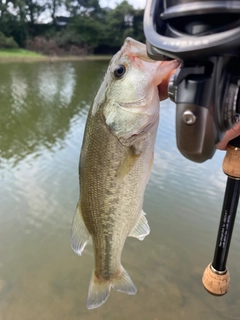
231,162
216,277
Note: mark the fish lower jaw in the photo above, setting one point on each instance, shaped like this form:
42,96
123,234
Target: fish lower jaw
133,106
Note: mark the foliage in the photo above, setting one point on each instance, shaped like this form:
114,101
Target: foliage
75,7
53,6
7,42
59,46
103,28
138,33
89,27
119,24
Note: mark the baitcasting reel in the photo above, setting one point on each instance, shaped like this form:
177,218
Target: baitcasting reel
205,36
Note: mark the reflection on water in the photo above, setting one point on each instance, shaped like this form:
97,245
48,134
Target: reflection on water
43,112
39,101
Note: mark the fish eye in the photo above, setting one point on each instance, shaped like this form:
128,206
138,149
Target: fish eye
119,71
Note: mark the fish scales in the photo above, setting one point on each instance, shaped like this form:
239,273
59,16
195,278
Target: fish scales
107,212
115,165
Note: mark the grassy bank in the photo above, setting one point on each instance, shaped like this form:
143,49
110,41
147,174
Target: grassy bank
18,53
11,55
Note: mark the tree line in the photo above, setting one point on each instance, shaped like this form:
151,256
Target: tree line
85,27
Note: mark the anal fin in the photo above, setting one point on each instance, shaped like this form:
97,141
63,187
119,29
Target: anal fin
141,228
79,233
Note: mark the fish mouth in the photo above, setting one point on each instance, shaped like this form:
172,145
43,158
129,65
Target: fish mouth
136,49
133,106
138,106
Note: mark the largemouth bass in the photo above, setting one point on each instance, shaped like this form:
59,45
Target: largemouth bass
115,165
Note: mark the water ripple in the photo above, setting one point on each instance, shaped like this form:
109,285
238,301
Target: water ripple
41,139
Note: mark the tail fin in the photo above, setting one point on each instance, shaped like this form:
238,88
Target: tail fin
124,283
99,290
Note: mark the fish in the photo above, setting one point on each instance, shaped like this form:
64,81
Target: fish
115,164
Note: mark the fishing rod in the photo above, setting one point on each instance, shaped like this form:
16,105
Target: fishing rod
205,37
216,276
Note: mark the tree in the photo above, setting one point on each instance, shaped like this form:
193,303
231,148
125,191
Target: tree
53,6
88,30
11,23
7,42
89,25
103,29
76,7
138,33
119,24
33,10
86,25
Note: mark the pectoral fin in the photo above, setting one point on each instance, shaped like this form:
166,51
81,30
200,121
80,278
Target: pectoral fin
79,232
126,166
135,149
141,228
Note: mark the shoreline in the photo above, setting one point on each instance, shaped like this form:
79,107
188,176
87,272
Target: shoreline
52,59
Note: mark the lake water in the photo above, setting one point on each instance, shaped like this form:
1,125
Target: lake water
43,109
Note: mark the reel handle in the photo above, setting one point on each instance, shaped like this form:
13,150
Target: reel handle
216,277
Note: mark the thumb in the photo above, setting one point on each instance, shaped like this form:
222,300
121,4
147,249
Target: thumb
163,87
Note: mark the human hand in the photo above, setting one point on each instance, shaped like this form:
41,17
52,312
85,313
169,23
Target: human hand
229,135
163,87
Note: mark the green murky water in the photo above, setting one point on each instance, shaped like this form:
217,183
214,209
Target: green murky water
43,108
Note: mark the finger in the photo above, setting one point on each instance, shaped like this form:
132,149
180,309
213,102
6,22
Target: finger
163,87
230,134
